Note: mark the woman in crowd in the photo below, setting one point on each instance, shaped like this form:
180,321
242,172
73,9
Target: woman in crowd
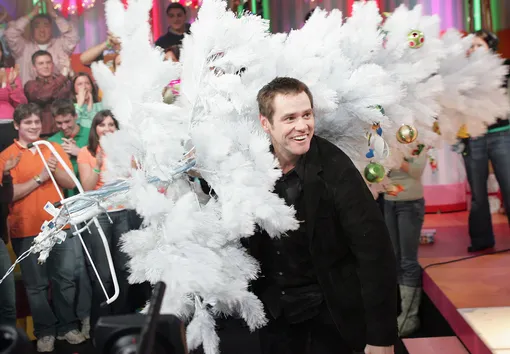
92,164
86,99
494,147
404,213
11,95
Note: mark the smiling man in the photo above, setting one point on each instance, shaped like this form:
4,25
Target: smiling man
71,136
178,26
41,30
32,189
329,287
46,88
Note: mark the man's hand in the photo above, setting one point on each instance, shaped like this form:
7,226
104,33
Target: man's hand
36,9
11,163
113,41
50,9
52,163
70,147
370,349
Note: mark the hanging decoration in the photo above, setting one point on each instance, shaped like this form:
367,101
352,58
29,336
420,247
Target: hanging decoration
73,7
374,172
416,39
189,3
406,134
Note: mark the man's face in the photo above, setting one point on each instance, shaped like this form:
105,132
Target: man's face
293,125
43,66
42,30
29,129
66,124
176,19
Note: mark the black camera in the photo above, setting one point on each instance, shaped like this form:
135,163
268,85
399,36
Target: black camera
122,335
125,334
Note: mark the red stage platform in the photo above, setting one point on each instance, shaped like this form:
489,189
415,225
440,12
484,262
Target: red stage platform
472,295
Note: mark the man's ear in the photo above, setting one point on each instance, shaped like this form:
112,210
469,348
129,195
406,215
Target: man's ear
16,125
265,123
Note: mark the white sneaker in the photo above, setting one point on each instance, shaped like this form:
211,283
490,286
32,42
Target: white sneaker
85,327
73,337
46,344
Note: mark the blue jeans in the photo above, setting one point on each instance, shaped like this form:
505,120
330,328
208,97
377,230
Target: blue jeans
404,220
84,288
7,290
58,270
496,148
113,232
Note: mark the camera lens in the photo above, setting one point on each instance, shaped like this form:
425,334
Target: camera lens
7,339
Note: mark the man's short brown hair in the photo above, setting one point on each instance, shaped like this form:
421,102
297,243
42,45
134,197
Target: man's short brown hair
282,86
24,111
63,107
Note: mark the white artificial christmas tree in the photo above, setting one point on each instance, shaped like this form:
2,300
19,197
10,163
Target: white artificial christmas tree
194,247
473,96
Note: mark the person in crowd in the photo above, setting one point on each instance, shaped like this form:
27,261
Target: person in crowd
72,137
42,38
178,26
32,190
171,91
104,51
85,95
331,285
4,20
404,213
92,165
7,287
11,95
47,87
493,147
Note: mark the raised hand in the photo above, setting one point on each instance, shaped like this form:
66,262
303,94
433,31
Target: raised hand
36,9
13,75
81,96
11,163
99,159
50,8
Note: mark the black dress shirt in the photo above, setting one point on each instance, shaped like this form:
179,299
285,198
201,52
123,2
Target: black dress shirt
292,288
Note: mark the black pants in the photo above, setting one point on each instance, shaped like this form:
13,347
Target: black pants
315,336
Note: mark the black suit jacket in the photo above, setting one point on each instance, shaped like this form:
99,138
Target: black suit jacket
350,248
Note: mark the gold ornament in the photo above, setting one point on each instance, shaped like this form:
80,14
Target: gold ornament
435,128
374,172
406,134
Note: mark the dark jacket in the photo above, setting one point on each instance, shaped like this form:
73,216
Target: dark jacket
6,194
169,39
350,247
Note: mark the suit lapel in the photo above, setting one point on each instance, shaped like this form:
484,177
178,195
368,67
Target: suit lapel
313,187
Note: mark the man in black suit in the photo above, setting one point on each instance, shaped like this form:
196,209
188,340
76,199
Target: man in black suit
329,287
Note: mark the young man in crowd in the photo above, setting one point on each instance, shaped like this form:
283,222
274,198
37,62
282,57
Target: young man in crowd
331,286
32,189
47,87
42,38
72,137
178,26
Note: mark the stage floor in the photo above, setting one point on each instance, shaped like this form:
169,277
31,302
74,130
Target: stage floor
474,294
